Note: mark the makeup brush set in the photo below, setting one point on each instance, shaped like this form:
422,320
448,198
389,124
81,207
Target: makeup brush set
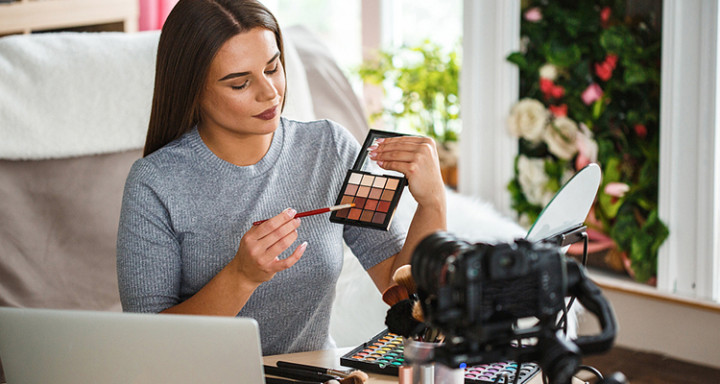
293,373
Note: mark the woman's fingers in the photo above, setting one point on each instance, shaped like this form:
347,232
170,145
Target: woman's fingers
270,225
417,159
408,155
281,265
258,254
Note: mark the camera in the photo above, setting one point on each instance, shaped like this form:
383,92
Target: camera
477,293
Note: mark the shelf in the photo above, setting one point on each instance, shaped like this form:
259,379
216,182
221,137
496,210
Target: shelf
28,16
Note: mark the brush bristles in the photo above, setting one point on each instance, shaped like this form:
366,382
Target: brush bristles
403,276
417,312
356,377
394,294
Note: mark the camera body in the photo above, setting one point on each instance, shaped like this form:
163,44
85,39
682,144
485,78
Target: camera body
467,286
476,293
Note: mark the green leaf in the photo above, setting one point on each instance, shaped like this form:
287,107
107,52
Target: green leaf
518,59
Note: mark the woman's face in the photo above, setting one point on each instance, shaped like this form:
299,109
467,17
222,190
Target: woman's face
245,86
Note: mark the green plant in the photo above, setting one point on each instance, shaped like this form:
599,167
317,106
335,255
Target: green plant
421,89
590,76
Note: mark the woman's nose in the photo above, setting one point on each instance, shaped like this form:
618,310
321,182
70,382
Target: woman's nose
267,90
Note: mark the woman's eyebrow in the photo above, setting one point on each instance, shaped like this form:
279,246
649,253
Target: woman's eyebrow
240,74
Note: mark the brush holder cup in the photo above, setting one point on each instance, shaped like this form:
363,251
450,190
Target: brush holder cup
419,355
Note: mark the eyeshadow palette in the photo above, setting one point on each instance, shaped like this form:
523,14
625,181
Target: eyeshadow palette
383,354
374,191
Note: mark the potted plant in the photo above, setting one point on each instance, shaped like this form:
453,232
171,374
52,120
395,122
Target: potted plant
420,84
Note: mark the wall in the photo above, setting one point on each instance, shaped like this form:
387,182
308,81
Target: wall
666,324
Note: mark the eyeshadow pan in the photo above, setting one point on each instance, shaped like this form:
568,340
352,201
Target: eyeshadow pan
354,214
387,195
375,193
367,180
392,184
383,206
359,202
355,178
363,191
371,204
347,199
379,182
366,216
342,213
351,189
379,217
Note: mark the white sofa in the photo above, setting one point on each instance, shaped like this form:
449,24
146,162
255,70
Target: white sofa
73,113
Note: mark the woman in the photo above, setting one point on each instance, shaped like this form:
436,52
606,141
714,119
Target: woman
218,157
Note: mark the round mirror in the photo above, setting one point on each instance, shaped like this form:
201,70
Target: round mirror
569,207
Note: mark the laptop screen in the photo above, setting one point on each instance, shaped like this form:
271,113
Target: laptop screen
71,347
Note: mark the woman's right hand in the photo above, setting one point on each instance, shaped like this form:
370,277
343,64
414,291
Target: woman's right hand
257,258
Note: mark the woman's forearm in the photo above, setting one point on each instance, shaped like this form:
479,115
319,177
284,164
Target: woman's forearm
224,295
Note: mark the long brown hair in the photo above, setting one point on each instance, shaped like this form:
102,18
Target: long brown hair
193,33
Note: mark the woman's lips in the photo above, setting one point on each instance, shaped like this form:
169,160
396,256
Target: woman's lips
268,114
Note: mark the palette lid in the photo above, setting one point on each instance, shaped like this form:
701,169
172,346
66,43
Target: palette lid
365,163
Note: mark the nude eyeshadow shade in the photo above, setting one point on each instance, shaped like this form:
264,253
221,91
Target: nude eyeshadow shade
375,194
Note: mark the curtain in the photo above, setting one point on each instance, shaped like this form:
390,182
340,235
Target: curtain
153,13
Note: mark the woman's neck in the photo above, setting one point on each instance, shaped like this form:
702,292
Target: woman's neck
237,148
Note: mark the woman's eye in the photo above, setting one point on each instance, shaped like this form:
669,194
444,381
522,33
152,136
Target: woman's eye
239,87
270,72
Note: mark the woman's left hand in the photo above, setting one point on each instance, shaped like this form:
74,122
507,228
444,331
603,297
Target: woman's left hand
416,158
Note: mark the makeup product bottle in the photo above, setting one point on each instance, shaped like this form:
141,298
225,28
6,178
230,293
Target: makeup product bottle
374,191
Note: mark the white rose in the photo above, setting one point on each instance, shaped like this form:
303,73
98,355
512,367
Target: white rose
528,119
548,71
560,137
533,180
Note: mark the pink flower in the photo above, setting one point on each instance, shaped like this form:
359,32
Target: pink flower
587,148
591,93
550,90
533,15
612,60
640,130
605,69
546,86
559,110
616,189
605,16
557,91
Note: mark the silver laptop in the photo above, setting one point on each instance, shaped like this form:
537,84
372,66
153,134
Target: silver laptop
83,347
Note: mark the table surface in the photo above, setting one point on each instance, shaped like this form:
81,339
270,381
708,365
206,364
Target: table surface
331,359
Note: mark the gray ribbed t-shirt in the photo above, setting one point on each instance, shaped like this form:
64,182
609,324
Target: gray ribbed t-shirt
185,210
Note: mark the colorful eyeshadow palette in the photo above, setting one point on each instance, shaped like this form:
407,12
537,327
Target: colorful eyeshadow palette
383,354
374,191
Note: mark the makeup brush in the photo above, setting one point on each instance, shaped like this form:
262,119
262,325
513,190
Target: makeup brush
394,293
403,276
362,376
297,374
400,321
277,380
315,211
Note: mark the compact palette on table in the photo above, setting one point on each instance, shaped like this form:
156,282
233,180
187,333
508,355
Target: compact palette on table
374,191
383,354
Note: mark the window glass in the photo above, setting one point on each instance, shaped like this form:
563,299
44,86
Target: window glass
336,23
